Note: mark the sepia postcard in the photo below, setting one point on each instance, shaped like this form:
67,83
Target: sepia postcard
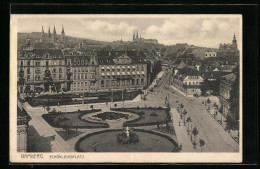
125,88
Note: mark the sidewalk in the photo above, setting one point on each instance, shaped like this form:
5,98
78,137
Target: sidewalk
45,130
174,88
181,133
222,121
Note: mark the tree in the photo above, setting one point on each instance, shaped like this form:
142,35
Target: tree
202,143
48,108
184,114
188,121
195,132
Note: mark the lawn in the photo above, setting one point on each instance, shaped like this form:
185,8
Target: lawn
73,120
147,116
106,141
68,99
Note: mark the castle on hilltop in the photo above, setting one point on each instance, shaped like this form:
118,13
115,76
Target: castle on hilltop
52,37
139,39
226,50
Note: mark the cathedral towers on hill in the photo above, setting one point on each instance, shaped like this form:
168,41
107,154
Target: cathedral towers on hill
52,37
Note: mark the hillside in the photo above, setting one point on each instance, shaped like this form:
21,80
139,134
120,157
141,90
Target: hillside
160,50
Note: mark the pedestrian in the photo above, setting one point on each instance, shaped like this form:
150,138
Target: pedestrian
180,147
179,123
106,102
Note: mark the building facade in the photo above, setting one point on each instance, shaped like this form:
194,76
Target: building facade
82,72
226,84
41,70
187,81
22,130
227,50
122,70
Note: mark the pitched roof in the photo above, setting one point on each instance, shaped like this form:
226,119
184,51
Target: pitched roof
229,77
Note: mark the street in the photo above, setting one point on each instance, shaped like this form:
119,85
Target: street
215,137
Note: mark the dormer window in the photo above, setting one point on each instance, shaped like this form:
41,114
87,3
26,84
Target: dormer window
54,56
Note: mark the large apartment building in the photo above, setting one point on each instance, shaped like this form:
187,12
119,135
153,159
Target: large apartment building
41,70
49,70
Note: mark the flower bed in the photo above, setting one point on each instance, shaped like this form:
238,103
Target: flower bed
68,99
73,120
111,116
147,116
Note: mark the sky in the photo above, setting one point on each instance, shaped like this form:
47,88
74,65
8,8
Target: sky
199,30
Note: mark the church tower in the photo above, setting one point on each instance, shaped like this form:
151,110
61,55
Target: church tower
54,35
234,42
49,35
62,39
42,35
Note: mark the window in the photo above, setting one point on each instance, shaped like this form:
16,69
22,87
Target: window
133,81
28,71
74,84
142,81
28,63
60,70
21,63
28,78
118,82
47,63
102,83
107,83
142,69
128,82
54,70
86,76
118,70
86,84
82,76
78,76
92,83
60,62
37,63
93,62
137,68
82,62
123,82
112,83
137,81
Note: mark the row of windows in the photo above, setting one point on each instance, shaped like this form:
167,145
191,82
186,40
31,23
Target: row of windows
84,76
192,83
37,63
83,84
84,69
83,62
127,82
193,77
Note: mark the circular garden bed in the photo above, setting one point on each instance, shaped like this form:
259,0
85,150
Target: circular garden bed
106,141
111,116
